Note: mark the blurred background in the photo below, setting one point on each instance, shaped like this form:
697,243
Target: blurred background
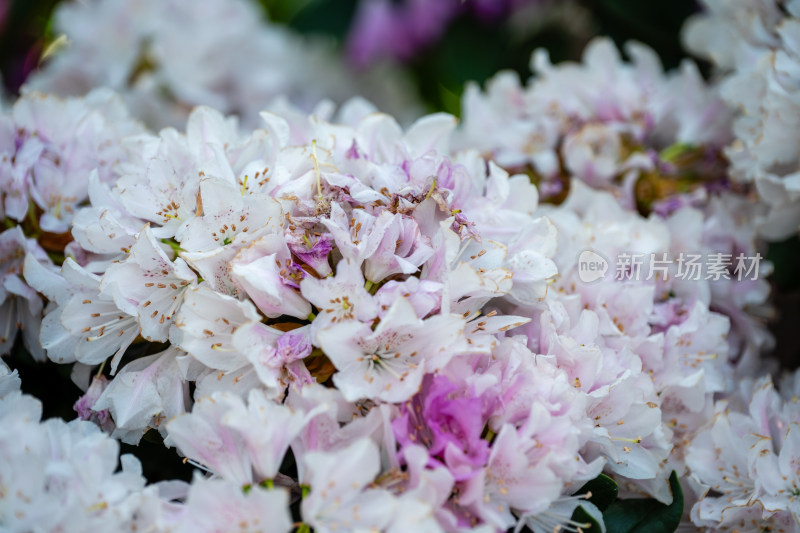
442,43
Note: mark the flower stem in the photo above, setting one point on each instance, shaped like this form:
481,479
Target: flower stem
33,220
100,370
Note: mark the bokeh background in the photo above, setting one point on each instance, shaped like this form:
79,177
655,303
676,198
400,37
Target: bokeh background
473,45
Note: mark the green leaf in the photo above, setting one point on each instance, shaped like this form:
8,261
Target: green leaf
646,515
327,17
603,491
588,523
785,256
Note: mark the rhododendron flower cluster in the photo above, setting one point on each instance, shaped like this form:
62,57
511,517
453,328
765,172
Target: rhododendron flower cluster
652,140
471,376
345,324
745,462
755,48
60,476
364,257
49,147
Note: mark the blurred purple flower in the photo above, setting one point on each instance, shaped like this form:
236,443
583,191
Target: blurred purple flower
383,28
399,29
5,5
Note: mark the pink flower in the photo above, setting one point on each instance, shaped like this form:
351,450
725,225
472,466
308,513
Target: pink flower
84,406
448,421
267,273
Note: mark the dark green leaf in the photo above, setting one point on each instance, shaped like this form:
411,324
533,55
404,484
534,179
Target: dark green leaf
603,491
785,256
327,17
646,515
590,525
656,24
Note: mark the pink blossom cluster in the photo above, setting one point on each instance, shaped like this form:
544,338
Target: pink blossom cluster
755,48
744,463
405,318
48,147
347,325
363,257
60,476
653,140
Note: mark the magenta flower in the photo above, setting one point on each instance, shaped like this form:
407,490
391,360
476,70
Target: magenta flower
401,30
84,405
397,30
447,420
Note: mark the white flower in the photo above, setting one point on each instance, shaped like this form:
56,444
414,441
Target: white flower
60,476
146,392
340,498
85,325
268,429
9,380
204,436
241,443
20,306
205,326
149,284
389,362
270,277
215,505
229,222
341,297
